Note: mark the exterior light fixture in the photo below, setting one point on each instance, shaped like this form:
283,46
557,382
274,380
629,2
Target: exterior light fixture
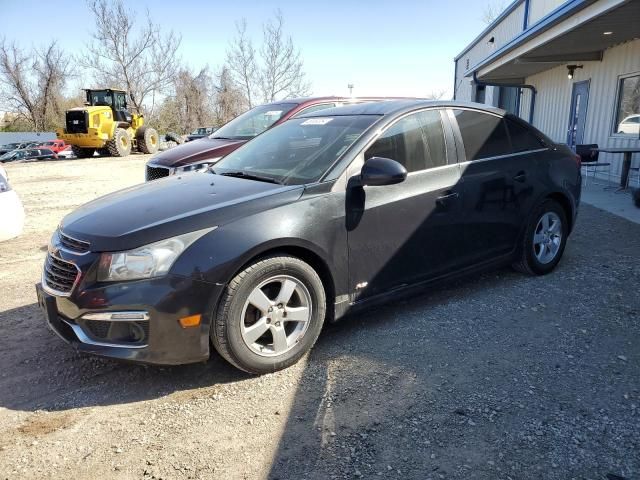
607,33
572,69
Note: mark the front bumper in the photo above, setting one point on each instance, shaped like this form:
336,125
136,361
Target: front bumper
162,340
92,139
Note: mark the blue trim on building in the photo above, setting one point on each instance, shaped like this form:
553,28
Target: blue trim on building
525,20
542,25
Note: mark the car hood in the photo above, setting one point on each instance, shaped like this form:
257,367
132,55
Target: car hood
171,206
194,151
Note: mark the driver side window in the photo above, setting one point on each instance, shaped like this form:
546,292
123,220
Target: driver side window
415,141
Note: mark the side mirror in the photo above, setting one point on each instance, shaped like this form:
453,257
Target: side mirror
378,171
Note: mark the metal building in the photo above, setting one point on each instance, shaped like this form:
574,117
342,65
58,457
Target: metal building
570,67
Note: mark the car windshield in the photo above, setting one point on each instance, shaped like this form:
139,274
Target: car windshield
299,151
253,122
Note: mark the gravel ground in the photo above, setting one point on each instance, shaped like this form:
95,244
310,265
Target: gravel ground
499,376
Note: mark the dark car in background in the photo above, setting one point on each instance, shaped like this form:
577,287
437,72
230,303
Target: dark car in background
200,155
322,215
200,132
9,147
28,154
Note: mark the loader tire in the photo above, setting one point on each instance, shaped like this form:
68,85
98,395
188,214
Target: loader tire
147,140
120,144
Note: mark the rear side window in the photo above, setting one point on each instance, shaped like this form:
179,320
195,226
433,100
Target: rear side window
522,139
484,135
416,141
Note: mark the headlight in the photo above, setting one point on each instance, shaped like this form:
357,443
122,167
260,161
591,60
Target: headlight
148,261
198,167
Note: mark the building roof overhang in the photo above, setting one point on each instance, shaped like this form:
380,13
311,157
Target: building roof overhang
573,33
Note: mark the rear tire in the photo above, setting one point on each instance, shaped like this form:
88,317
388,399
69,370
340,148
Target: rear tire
147,140
544,239
270,315
120,144
83,152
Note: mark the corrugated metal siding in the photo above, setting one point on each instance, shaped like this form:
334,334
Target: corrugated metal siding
505,31
551,114
540,8
13,137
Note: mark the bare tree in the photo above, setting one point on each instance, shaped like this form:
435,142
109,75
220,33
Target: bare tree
492,11
32,83
275,72
193,93
241,59
436,94
281,74
141,60
229,101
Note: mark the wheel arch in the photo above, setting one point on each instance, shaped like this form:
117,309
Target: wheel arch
566,205
304,253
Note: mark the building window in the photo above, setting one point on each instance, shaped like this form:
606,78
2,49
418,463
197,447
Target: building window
628,107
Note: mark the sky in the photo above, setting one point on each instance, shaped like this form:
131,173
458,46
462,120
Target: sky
391,48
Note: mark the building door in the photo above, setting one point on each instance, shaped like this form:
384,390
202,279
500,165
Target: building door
578,113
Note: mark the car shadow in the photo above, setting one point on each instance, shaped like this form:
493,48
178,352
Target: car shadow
38,371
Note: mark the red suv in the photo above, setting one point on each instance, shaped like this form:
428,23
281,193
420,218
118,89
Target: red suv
204,152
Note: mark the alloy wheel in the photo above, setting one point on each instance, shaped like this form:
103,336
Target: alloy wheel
276,315
547,237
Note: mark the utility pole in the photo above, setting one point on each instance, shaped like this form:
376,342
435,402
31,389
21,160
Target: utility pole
350,87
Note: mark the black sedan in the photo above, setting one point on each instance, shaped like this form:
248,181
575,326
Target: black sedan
320,216
28,155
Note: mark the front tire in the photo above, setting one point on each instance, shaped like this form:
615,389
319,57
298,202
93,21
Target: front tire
147,140
270,315
544,239
120,144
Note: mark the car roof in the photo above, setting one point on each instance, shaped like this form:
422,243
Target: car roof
333,98
389,107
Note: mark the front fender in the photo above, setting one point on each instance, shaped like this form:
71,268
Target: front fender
315,224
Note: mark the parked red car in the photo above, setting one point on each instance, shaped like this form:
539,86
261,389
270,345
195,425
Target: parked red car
54,145
204,152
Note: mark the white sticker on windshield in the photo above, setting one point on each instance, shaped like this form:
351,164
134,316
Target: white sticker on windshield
317,121
273,112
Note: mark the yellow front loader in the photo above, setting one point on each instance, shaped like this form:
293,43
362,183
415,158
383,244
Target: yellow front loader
106,125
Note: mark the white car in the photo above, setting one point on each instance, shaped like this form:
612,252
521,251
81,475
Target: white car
630,124
12,218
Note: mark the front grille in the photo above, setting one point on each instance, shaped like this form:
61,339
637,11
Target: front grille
60,275
72,244
76,121
153,173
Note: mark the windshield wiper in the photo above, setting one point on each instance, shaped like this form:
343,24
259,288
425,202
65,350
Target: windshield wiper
251,176
222,138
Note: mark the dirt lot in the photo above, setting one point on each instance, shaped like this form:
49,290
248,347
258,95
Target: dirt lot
499,376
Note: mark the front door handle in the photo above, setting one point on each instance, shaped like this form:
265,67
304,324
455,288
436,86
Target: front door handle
520,177
445,200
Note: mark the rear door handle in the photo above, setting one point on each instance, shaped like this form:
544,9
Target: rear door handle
520,177
445,200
